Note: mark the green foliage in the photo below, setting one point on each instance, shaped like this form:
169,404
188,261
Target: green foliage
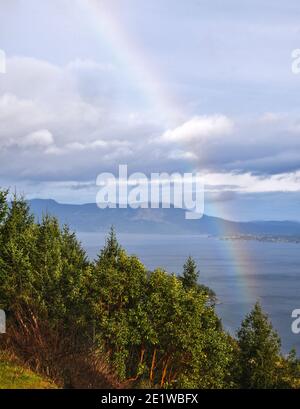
43,267
191,350
118,284
288,372
190,279
154,328
17,241
112,249
259,351
190,274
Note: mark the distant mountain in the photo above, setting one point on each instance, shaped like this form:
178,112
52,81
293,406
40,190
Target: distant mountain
89,218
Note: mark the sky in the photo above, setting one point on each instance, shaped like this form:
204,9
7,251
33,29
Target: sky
163,86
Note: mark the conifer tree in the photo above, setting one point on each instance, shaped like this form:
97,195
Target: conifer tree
17,245
112,249
190,274
259,351
190,279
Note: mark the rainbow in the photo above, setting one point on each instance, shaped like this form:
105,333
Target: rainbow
133,60
244,267
137,66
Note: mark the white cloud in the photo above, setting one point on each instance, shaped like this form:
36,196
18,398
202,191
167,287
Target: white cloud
182,155
42,138
265,144
200,127
61,121
249,183
19,116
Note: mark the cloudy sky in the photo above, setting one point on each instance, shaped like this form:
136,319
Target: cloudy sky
160,85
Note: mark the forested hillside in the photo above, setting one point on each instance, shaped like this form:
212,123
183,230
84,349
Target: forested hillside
111,323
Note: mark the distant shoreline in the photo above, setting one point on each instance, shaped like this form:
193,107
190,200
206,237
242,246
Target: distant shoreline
262,238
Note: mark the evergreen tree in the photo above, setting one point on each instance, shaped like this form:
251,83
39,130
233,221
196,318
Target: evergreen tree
156,329
190,274
190,279
112,249
16,247
61,269
290,368
43,268
259,351
117,287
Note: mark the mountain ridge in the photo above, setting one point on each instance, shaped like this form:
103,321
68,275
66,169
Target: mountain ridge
89,218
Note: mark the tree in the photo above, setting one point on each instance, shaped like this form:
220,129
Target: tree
190,274
61,270
188,349
156,331
289,372
190,279
116,289
16,247
259,351
112,249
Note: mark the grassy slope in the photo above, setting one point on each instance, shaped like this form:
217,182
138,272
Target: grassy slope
14,376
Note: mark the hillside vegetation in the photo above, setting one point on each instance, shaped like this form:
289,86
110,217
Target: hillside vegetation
111,323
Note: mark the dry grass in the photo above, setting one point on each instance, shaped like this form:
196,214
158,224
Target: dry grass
54,355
